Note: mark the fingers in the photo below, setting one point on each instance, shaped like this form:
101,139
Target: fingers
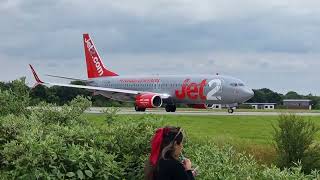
187,164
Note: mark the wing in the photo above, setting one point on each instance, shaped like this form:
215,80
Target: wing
69,78
94,88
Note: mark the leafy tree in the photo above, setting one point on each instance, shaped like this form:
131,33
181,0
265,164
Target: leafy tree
266,96
16,99
293,95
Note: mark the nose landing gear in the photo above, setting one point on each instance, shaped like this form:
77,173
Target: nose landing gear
230,110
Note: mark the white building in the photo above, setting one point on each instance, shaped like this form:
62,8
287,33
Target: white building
262,105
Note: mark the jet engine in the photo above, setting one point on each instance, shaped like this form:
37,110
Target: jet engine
148,101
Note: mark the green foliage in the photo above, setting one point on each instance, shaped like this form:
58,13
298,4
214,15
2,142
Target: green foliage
266,96
294,142
59,143
111,114
315,101
16,99
66,114
245,106
53,143
292,95
62,95
226,163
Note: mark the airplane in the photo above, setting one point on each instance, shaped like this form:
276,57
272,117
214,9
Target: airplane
197,91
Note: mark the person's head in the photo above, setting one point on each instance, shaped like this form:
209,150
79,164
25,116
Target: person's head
165,144
171,145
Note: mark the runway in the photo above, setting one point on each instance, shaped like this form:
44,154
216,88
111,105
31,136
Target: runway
130,111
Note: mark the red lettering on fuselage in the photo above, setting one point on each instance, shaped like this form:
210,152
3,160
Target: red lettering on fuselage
182,94
192,91
201,90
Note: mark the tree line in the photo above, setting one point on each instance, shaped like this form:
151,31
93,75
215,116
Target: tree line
266,95
61,95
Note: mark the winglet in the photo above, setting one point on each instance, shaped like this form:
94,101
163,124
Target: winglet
35,76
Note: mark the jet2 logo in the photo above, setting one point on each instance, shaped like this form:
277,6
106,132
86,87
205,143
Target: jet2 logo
196,91
90,46
94,55
217,84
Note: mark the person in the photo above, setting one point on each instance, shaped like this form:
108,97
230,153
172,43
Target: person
164,163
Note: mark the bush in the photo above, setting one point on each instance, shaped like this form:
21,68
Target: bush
111,114
59,143
15,100
66,114
53,143
226,163
294,142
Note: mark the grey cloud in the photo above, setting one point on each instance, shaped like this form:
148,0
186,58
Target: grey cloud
54,28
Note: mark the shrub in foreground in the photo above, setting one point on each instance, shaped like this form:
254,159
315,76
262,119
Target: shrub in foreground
226,163
60,143
15,100
295,142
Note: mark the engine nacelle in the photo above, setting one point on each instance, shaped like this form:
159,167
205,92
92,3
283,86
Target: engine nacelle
148,101
198,106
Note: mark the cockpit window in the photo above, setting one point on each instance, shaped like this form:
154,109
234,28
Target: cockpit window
234,84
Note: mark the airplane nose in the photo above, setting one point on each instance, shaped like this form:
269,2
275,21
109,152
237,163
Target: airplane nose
250,93
247,94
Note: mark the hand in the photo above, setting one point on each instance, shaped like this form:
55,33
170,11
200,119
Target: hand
187,164
195,171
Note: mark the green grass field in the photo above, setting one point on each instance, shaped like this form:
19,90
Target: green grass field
253,129
250,134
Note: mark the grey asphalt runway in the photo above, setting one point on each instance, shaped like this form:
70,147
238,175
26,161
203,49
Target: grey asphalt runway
129,111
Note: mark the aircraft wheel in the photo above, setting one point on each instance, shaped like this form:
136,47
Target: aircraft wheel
142,109
167,108
138,109
230,110
171,108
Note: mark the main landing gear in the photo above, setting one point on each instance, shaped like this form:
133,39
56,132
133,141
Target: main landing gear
139,109
230,110
171,108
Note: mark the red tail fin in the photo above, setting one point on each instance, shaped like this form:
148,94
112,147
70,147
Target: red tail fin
95,66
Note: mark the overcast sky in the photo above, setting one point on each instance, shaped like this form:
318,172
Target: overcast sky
273,44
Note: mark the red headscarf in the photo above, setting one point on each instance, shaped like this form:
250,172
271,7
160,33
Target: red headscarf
156,144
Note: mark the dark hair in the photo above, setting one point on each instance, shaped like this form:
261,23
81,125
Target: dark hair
166,149
174,134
